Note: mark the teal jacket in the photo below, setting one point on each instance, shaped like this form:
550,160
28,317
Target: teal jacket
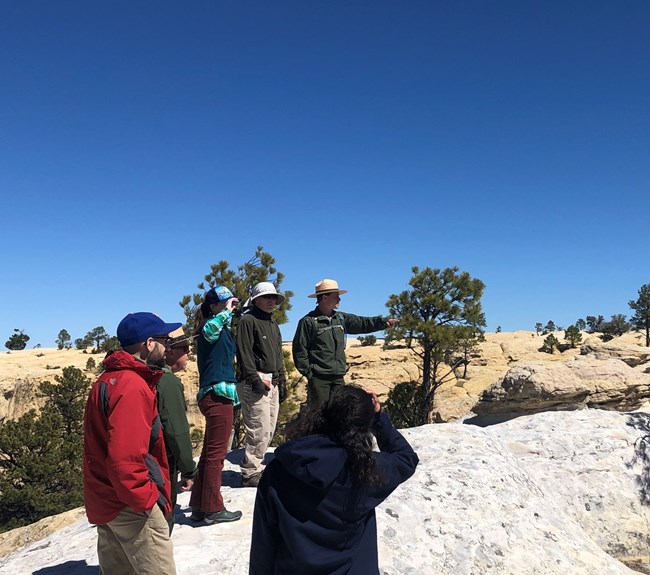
319,343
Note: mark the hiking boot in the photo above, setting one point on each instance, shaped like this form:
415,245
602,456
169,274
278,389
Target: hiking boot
223,516
252,481
197,515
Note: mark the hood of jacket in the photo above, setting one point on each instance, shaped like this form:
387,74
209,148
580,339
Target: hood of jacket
120,360
315,460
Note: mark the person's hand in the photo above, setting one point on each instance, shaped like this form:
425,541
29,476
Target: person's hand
231,304
258,386
186,484
391,321
375,401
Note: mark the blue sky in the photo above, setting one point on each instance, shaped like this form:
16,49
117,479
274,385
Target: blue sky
143,141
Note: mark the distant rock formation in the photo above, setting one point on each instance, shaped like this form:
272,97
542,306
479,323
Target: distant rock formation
632,355
555,493
583,381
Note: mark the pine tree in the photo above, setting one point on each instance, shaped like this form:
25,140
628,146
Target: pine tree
63,340
550,344
641,307
260,268
41,454
549,327
439,309
573,335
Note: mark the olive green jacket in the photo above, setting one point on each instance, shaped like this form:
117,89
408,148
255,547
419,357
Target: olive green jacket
176,429
319,343
259,346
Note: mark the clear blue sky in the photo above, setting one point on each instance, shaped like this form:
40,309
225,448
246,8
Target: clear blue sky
143,141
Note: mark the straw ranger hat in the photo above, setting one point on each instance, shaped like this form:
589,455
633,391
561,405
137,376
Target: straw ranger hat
327,286
177,338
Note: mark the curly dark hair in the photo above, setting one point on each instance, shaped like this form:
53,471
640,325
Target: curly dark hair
347,419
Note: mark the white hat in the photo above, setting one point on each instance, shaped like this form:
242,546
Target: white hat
327,286
264,288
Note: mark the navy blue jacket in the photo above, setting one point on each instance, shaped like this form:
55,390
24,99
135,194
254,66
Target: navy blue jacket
313,517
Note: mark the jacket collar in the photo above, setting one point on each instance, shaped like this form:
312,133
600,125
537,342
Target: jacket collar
121,360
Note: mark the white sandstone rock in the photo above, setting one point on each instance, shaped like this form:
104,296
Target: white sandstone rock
543,494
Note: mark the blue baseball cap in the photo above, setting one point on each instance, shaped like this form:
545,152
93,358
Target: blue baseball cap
140,326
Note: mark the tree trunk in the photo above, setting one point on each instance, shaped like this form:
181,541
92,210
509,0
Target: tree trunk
428,383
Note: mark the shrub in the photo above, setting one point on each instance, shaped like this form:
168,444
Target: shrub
405,405
367,340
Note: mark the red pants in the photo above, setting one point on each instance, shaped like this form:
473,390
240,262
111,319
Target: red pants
206,491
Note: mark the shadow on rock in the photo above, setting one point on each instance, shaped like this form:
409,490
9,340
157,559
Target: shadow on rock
68,568
641,422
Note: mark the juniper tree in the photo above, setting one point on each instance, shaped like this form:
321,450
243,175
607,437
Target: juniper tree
438,309
17,341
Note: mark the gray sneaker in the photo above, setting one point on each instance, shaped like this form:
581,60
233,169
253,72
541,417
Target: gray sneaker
223,516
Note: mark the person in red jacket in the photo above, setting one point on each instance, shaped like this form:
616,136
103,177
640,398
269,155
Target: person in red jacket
126,475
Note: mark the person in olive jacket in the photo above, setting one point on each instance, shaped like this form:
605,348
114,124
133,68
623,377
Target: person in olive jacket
172,408
319,342
315,505
261,379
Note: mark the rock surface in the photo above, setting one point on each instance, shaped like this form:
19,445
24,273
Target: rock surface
584,381
552,493
633,355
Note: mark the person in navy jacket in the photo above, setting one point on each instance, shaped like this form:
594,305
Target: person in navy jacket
315,505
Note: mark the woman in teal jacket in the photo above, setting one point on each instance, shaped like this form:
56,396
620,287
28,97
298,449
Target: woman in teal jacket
215,352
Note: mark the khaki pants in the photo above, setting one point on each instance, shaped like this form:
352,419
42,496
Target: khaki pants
260,414
135,544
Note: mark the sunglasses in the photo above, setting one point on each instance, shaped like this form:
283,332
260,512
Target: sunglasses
273,297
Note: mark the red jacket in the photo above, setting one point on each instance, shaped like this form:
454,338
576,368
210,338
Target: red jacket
124,453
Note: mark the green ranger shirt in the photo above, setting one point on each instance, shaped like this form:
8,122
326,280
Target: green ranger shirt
319,343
